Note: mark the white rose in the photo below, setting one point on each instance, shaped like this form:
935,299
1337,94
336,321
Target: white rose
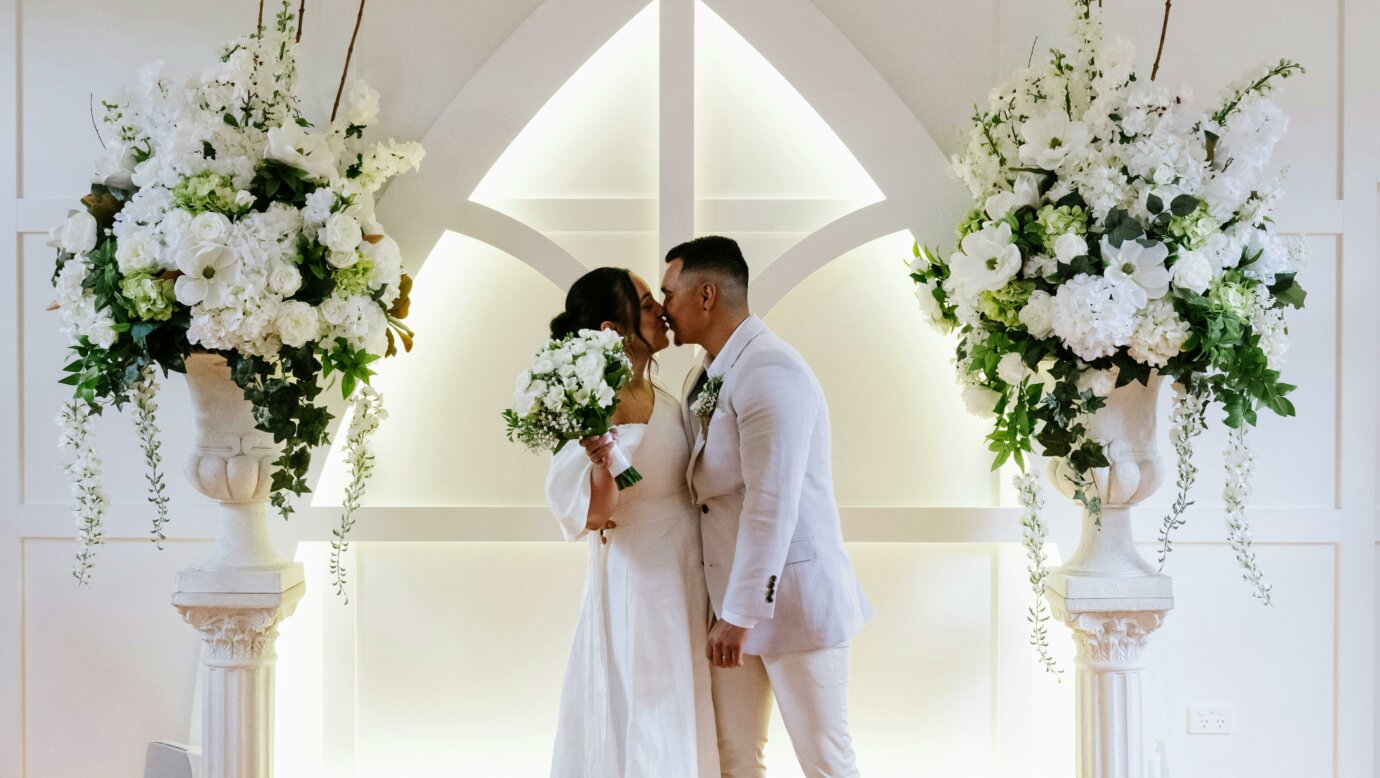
980,401
244,199
1038,314
1011,369
1101,382
284,279
334,310
1069,246
308,152
342,258
341,234
1193,271
297,324
78,234
210,227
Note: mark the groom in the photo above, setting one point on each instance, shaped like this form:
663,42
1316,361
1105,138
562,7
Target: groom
784,594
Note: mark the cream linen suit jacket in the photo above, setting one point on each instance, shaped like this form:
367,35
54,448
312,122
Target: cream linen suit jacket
760,476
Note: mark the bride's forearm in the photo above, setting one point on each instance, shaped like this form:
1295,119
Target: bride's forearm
603,497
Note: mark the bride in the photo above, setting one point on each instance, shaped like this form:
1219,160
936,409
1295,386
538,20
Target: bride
636,700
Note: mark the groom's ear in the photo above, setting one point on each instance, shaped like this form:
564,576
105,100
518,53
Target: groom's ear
709,294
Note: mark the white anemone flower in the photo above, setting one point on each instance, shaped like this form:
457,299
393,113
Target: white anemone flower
1048,140
1138,268
207,272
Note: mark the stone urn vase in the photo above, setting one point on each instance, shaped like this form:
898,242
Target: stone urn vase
238,594
1107,593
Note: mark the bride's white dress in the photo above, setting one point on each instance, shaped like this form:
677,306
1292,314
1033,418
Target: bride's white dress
636,701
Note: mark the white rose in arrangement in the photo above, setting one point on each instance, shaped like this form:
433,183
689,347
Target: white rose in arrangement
1011,369
334,310
210,227
1193,271
306,151
343,259
1138,267
1050,139
341,234
1099,382
208,272
297,324
1038,314
284,279
924,294
78,234
980,401
1070,246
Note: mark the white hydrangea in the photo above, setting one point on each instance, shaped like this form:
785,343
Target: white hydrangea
1094,316
1159,334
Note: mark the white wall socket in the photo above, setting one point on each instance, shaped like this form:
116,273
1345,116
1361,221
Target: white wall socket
1211,719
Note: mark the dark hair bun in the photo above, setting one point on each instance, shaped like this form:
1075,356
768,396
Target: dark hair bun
562,325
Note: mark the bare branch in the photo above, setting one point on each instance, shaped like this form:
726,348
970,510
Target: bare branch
348,54
1154,71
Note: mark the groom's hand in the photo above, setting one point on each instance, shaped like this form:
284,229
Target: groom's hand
725,647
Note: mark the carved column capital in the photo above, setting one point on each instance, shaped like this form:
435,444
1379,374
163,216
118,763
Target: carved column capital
237,637
1113,640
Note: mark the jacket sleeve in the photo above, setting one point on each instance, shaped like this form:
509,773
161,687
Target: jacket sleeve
777,405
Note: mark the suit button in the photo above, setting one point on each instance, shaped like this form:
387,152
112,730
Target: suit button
704,509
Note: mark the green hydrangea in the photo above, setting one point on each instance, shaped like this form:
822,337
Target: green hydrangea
1053,222
1194,229
355,278
972,222
151,297
1005,304
1233,296
208,192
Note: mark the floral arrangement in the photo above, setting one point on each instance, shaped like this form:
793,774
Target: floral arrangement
569,393
222,220
1116,233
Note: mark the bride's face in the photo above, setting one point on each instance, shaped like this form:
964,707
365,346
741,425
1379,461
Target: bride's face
652,326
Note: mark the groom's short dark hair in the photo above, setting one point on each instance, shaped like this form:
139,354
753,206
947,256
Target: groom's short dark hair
713,254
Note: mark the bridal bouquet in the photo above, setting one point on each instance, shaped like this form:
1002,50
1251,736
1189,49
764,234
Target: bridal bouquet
222,220
1116,232
569,393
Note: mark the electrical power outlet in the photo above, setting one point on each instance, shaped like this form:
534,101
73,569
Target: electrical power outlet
1211,719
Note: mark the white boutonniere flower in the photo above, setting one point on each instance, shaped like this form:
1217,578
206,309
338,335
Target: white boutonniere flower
708,400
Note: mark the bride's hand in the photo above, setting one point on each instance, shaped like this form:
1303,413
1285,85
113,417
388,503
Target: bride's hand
599,447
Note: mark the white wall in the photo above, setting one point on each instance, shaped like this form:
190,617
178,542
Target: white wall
448,659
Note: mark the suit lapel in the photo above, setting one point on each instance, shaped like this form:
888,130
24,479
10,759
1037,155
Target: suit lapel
694,429
733,350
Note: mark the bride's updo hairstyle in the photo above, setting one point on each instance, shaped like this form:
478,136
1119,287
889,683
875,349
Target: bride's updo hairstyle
603,294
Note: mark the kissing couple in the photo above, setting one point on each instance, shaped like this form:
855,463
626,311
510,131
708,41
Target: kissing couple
720,580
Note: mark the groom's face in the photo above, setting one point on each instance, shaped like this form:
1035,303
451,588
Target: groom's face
679,304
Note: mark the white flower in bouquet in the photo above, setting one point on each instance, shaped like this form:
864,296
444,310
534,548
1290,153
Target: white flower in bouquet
569,393
987,260
341,234
309,152
1159,334
1137,267
77,235
1193,271
207,272
1094,315
1050,139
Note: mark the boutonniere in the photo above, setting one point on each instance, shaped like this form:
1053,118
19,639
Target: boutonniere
708,400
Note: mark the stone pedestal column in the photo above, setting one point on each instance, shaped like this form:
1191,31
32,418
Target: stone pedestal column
236,596
1108,594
